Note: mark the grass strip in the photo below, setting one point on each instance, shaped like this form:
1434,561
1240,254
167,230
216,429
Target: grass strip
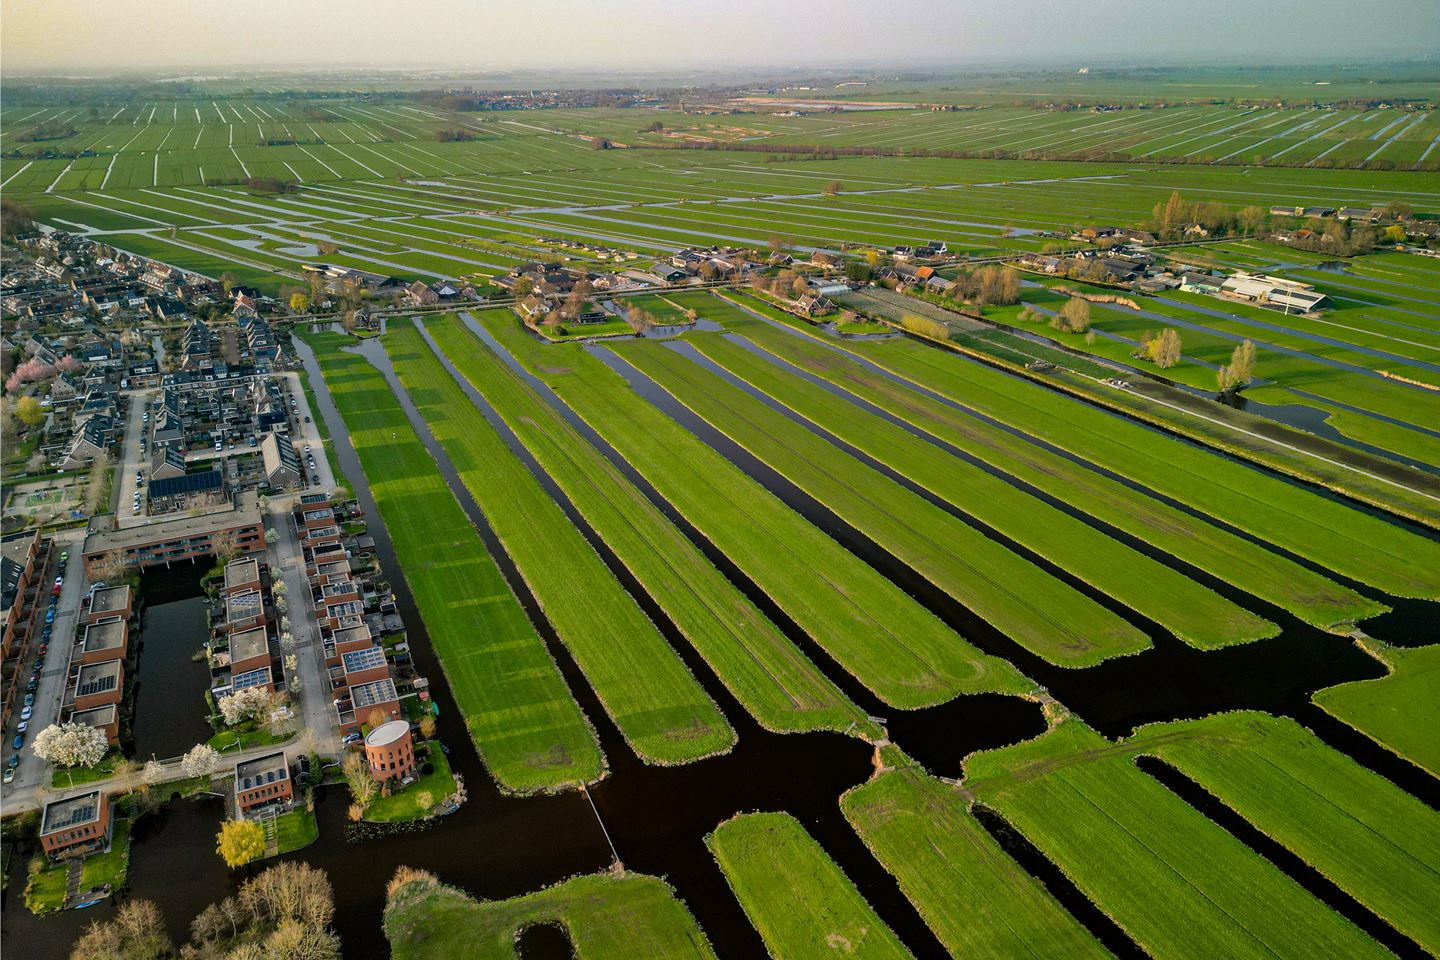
1312,597
1352,543
1178,884
980,903
1196,614
887,641
765,672
1401,711
658,705
1045,616
1377,842
794,894
612,915
526,725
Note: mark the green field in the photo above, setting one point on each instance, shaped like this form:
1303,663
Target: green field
1177,883
658,705
1308,595
1378,843
410,802
979,902
1401,711
1037,611
1347,541
1197,615
885,639
800,901
606,916
524,721
775,681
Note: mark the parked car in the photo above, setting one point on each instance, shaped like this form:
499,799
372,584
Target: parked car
350,738
315,478
23,726
25,712
9,774
18,742
50,615
29,700
59,581
55,590
307,419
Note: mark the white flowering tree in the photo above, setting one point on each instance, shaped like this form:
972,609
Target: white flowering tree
243,705
200,761
278,588
271,536
287,641
71,745
153,773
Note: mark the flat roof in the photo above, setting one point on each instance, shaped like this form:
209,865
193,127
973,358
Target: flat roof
105,635
242,571
98,678
249,643
108,599
366,659
353,634
243,606
245,511
101,716
270,768
375,692
387,733
71,812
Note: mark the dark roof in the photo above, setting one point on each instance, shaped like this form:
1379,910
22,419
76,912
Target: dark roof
190,483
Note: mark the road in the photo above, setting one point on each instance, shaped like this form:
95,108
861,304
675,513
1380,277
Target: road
33,772
131,460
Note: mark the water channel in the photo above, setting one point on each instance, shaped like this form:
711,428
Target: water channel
498,846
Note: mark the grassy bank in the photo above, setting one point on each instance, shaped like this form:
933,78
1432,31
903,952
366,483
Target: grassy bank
980,903
763,669
607,917
794,894
524,721
1311,596
884,638
1177,883
1401,711
658,705
417,800
1036,610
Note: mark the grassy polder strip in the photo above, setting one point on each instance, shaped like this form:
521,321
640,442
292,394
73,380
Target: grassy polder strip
1197,615
980,903
1401,711
763,669
1312,597
607,917
1364,548
887,641
1178,884
794,894
1377,842
526,726
658,705
1038,611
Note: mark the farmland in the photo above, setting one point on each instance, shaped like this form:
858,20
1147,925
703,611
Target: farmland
659,706
525,723
797,594
798,899
605,916
758,664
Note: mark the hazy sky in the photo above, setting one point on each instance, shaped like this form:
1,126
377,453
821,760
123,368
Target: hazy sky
94,35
